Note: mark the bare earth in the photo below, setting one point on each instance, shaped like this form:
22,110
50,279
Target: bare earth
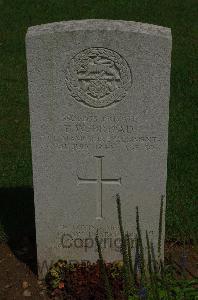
17,281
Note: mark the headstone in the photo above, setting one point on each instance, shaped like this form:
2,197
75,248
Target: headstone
99,107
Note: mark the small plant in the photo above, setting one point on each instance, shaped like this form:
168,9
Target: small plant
143,276
103,271
127,275
141,248
150,280
85,281
160,227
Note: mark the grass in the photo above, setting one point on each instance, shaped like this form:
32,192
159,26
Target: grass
180,15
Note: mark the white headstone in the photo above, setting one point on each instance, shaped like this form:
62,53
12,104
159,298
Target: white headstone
99,107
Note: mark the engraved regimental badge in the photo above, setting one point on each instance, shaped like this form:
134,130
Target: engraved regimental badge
98,77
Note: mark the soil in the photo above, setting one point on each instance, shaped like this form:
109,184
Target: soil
17,281
18,278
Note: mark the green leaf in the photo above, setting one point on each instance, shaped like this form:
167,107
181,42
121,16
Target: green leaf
162,293
133,298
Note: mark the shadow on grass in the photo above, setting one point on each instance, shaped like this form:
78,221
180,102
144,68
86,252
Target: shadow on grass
18,219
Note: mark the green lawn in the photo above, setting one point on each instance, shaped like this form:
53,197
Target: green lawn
180,15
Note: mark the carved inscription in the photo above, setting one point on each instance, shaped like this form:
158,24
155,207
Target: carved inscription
108,132
98,77
82,237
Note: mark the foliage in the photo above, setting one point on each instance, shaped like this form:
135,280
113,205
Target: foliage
103,271
127,275
151,279
85,281
146,279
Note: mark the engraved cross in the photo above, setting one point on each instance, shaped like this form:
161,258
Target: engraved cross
99,181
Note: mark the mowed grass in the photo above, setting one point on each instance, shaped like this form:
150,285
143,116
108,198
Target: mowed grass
180,15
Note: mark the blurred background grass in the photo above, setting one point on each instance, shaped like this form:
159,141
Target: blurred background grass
181,16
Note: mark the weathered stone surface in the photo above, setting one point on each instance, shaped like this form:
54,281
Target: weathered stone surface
99,97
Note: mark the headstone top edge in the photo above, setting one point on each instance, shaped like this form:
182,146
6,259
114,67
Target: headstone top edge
98,24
